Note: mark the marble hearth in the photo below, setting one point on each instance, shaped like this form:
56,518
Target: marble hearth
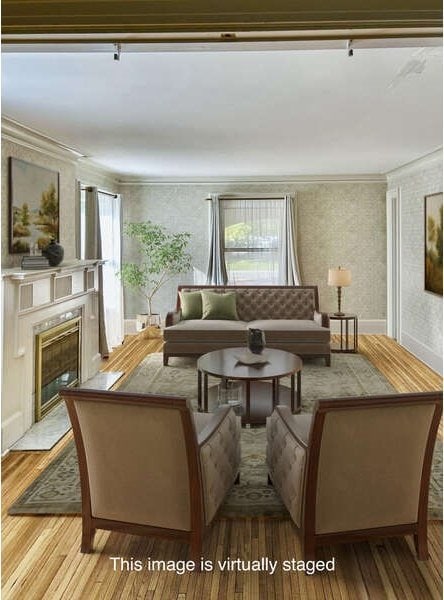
34,302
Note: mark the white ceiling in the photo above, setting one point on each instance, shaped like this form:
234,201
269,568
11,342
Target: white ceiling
278,113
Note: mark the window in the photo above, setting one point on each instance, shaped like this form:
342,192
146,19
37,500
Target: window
251,239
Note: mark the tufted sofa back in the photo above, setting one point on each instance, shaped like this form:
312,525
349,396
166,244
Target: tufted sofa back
268,302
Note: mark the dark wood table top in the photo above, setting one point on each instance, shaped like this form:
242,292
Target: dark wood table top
224,363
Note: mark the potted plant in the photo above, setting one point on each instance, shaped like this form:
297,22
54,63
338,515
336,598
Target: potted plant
163,255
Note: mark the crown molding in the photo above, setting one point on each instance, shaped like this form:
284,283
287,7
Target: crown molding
14,131
419,164
268,179
27,137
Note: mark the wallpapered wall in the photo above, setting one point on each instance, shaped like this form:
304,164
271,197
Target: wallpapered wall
67,197
337,224
421,311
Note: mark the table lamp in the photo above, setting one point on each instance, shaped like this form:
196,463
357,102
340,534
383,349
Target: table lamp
340,278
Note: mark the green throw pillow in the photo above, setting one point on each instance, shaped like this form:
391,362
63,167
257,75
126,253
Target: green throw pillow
191,305
219,306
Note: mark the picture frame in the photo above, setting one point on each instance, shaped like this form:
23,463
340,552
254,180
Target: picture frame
433,248
34,206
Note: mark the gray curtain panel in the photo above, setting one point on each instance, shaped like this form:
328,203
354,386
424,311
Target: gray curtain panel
289,266
93,250
217,271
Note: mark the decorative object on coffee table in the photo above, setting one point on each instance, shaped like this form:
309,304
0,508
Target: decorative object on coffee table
261,396
256,340
339,277
348,340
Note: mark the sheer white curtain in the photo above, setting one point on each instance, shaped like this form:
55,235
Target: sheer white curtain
110,241
102,239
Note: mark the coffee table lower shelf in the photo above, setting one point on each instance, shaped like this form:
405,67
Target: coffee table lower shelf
261,401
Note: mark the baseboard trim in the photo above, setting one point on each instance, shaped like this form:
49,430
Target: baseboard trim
12,430
366,326
130,326
422,352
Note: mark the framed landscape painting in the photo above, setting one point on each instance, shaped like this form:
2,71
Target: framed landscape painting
433,243
33,206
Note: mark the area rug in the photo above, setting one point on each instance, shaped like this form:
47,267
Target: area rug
57,489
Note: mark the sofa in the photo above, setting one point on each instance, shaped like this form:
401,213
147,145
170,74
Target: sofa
289,316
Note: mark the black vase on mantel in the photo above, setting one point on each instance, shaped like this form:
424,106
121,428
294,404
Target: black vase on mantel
54,253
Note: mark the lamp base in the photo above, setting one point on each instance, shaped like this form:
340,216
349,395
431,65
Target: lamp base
339,314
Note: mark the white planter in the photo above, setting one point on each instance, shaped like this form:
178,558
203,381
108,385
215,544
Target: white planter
150,323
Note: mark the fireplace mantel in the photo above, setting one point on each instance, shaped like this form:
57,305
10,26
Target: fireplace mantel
32,300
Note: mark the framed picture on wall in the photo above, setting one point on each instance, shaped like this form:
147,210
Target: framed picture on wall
33,206
433,243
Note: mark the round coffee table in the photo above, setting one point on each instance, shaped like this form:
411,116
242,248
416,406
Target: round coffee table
261,396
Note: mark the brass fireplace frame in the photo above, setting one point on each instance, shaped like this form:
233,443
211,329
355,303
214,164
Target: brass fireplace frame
42,340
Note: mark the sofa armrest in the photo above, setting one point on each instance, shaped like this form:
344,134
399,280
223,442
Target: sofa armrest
321,319
172,318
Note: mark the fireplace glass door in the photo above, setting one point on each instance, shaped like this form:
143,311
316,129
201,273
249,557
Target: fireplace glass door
57,364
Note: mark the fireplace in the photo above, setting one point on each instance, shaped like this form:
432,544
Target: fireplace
57,363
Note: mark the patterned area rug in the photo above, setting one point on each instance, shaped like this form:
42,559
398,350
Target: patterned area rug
57,489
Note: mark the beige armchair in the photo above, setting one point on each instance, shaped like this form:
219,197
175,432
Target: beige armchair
149,465
356,468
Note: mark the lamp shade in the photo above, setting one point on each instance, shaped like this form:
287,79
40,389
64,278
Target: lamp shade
339,277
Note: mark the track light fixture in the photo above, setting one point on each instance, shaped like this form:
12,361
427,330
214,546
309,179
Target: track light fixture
349,48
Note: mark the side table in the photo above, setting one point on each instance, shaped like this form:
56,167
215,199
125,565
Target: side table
346,336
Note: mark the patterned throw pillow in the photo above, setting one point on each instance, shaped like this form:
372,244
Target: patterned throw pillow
219,306
191,305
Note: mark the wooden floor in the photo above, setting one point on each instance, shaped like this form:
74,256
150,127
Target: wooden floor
41,559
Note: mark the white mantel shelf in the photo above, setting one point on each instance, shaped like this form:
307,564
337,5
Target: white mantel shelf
66,267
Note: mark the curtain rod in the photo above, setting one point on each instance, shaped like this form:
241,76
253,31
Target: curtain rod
253,197
89,187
